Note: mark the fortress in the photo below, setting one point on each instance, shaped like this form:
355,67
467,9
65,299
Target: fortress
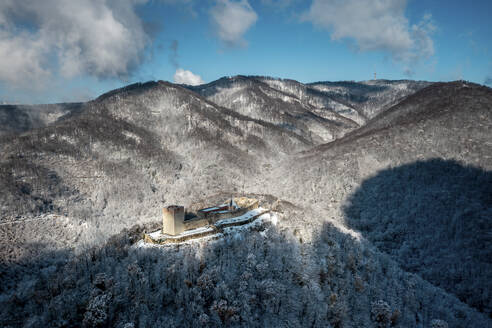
178,226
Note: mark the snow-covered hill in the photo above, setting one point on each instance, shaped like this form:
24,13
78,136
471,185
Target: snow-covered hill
371,228
22,118
255,97
416,182
369,97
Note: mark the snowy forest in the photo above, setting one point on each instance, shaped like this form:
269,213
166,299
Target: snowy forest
383,190
257,278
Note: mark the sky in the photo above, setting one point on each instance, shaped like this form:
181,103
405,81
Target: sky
74,50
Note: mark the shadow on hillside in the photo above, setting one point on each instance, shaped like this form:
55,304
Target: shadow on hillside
30,188
236,281
434,218
265,277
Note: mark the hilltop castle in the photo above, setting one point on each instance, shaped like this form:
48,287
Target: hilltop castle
177,225
175,222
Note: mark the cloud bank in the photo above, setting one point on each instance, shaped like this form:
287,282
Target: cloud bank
231,21
187,77
375,25
101,38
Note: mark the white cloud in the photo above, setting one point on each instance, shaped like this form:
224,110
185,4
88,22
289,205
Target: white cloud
232,19
102,38
21,64
375,25
187,77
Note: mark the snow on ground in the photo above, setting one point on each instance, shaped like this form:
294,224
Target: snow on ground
131,135
190,232
158,234
58,218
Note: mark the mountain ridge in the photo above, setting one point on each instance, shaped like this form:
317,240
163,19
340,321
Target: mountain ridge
112,163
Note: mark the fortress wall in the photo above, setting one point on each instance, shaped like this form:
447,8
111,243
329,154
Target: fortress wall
245,204
148,239
163,241
243,222
174,224
195,223
216,216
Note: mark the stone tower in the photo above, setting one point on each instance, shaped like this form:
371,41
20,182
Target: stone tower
173,220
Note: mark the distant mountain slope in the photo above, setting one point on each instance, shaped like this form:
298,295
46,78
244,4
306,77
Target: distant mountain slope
22,118
412,181
369,97
318,112
315,98
449,120
175,112
130,151
252,97
438,138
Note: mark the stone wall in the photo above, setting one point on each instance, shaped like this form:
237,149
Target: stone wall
178,239
245,204
195,223
166,239
173,217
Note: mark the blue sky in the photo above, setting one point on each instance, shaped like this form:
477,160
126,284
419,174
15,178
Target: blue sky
59,51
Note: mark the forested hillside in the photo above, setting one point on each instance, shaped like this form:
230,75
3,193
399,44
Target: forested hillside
439,227
22,118
382,189
415,181
255,278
